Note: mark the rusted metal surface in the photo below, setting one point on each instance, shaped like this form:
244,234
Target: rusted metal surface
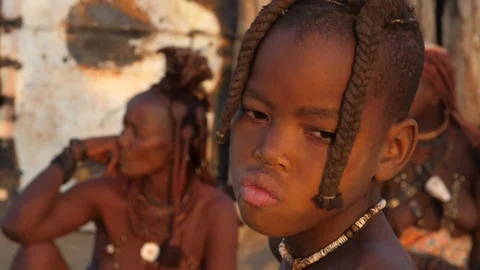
100,31
6,62
8,25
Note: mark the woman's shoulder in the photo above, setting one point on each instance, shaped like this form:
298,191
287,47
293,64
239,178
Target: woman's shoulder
212,194
102,188
215,199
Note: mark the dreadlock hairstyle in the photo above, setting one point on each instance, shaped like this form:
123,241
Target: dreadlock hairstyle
186,70
439,71
387,39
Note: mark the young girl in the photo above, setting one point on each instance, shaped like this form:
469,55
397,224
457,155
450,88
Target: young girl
318,107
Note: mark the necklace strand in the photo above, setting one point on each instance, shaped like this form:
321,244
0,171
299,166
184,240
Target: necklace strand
299,263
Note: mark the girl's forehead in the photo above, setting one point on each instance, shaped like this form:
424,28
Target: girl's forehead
314,70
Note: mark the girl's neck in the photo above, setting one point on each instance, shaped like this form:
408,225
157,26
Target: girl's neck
311,241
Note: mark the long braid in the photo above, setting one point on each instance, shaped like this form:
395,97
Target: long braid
255,34
367,31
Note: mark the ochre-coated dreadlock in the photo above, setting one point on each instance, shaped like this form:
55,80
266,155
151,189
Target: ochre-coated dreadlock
439,71
371,18
186,70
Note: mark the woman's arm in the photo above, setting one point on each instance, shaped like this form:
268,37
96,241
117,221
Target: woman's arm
40,213
222,239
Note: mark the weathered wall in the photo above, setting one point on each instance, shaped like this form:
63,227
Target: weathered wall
461,24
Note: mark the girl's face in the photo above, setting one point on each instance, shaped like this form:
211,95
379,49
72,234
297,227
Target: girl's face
283,133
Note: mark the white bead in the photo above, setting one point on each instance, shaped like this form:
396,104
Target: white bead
110,249
436,187
150,252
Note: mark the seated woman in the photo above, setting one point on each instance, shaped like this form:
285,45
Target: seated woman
433,204
161,210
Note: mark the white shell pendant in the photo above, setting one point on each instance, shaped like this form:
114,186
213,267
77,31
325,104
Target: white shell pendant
150,252
437,189
110,249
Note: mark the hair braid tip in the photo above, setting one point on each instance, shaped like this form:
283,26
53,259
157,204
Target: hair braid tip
221,135
329,202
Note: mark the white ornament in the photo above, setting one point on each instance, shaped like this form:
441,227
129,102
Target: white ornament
150,252
437,189
110,249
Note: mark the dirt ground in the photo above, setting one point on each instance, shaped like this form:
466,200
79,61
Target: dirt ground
77,247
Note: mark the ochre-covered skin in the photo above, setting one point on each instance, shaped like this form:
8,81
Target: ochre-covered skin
311,136
448,150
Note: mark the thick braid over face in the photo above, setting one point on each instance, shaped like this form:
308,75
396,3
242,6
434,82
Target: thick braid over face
255,34
367,29
370,20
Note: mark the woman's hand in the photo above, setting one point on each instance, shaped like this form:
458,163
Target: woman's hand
104,150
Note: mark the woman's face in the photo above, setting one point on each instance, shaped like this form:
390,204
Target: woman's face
146,139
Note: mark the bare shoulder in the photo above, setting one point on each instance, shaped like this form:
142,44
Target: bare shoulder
381,256
99,188
217,201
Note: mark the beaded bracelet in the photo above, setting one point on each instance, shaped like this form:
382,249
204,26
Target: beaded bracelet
66,161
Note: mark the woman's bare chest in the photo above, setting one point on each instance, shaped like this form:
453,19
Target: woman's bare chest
121,246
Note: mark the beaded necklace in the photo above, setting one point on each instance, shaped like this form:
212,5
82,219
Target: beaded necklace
299,263
151,224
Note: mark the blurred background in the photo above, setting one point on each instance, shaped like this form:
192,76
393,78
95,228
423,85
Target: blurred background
68,67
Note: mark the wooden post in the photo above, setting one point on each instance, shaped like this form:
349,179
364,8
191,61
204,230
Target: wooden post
9,173
461,24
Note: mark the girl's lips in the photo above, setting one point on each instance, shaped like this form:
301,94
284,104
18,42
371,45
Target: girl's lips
258,189
257,196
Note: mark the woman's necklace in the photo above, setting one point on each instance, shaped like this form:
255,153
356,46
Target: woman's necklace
299,263
151,223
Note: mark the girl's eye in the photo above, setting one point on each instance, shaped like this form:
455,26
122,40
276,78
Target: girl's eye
253,114
256,115
322,135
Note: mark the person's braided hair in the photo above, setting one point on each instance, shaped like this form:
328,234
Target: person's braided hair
186,69
370,18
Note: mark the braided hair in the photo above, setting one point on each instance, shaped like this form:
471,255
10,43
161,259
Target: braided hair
185,71
181,85
370,21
